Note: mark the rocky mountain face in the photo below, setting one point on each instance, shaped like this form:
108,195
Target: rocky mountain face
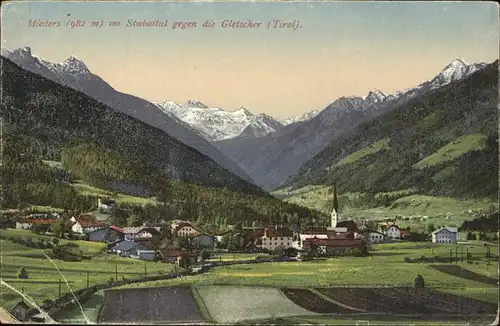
75,74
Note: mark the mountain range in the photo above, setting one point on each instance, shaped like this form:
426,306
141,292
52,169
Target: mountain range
114,150
444,143
256,147
271,159
75,74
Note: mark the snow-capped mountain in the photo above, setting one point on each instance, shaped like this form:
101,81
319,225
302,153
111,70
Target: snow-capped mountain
75,74
216,124
271,159
300,118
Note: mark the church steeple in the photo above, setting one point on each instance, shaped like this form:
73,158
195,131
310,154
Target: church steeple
335,211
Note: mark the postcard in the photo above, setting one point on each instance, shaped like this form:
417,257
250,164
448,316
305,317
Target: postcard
318,162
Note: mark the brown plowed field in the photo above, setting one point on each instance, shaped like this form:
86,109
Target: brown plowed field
465,273
150,306
407,301
310,301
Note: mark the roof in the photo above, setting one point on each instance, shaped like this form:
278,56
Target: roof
350,225
449,229
116,228
125,245
389,226
198,233
150,230
89,221
44,221
108,202
219,233
166,253
257,234
132,230
274,231
7,318
335,242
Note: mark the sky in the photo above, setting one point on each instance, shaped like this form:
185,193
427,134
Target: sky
341,48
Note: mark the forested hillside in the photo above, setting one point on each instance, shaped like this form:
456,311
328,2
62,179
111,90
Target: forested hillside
444,143
51,115
109,150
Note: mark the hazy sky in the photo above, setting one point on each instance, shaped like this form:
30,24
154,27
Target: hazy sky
342,49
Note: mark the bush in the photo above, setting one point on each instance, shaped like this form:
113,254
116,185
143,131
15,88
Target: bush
22,273
419,282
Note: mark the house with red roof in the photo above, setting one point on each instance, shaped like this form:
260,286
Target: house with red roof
86,223
28,223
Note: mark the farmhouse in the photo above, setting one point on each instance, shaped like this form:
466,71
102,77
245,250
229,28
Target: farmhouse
106,206
138,253
445,235
20,311
278,236
141,232
108,234
176,256
185,229
202,240
392,231
332,245
123,248
28,223
374,236
86,223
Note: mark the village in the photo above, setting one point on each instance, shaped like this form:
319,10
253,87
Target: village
343,237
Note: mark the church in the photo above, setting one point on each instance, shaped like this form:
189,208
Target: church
339,235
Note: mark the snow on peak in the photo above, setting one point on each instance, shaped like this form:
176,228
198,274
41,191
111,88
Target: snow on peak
375,96
73,63
194,104
304,117
244,111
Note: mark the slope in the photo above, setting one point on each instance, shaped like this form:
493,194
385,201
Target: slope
75,74
459,120
51,116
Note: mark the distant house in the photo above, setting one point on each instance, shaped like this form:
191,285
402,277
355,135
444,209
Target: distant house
278,236
143,232
20,311
123,248
445,235
176,256
220,235
86,223
392,231
28,223
109,234
331,245
185,229
351,227
138,252
202,240
374,236
106,205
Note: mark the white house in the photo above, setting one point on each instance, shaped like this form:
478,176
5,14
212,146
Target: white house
375,236
445,235
393,232
278,236
185,229
85,223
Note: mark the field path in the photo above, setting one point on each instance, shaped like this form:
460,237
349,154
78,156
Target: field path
461,272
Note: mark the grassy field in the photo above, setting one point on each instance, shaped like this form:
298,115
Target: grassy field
372,149
384,267
86,189
43,281
453,150
412,205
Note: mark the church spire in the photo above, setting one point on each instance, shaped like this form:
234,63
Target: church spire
335,199
334,218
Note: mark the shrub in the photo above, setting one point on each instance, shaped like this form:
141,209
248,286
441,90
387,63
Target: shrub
419,282
22,273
